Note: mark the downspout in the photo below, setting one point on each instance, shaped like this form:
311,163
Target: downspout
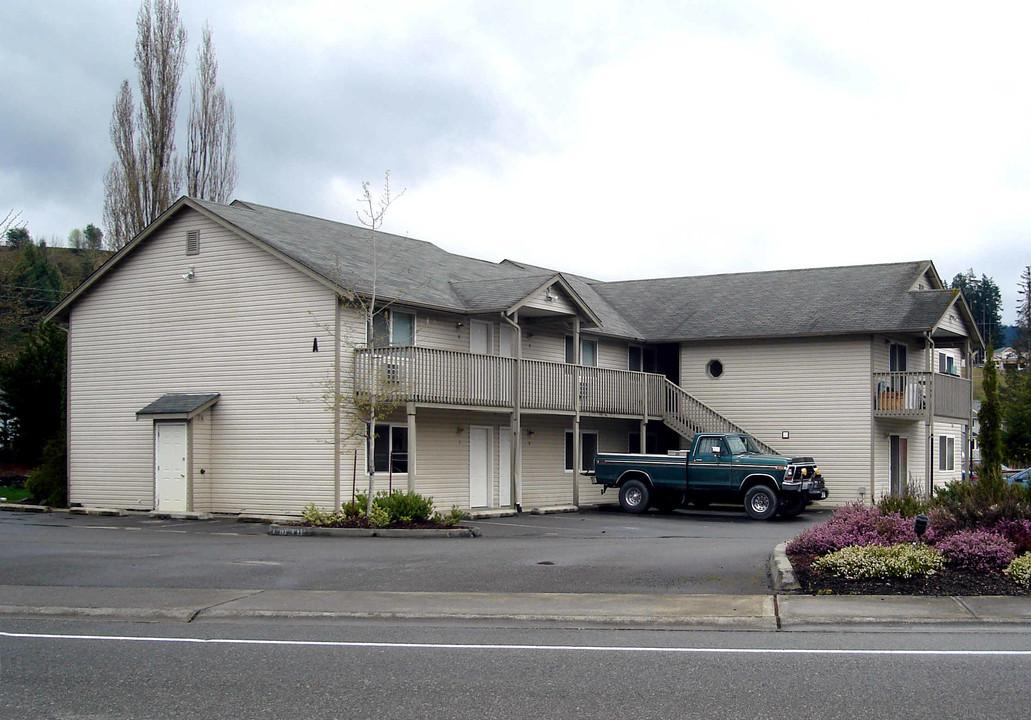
517,384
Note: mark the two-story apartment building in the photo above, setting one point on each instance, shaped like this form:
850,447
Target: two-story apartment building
216,361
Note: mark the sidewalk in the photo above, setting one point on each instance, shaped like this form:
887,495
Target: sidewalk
770,612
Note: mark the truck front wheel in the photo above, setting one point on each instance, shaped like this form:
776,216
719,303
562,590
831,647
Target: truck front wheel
761,502
634,496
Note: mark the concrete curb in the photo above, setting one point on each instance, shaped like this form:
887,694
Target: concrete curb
781,571
283,530
160,515
18,507
554,510
102,512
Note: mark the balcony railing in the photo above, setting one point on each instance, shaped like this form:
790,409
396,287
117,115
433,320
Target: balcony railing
909,395
443,377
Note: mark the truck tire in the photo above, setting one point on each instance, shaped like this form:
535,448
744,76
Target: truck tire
792,505
761,502
634,496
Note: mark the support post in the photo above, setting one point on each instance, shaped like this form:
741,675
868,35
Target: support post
411,447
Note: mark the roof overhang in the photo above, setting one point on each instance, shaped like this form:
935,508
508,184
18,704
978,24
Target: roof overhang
557,279
178,406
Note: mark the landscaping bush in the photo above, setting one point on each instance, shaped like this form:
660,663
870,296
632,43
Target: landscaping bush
973,508
976,550
396,508
907,505
854,524
878,562
1017,532
1019,571
405,507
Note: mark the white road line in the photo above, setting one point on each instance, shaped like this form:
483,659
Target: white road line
540,648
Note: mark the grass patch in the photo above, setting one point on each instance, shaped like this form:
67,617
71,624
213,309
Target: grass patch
14,494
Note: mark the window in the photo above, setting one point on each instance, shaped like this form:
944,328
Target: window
651,443
193,242
392,327
896,358
391,452
946,364
588,352
642,359
946,453
714,369
710,449
588,450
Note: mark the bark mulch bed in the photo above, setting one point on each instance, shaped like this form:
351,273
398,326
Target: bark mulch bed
945,583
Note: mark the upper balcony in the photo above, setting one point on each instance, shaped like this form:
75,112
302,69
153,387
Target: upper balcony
912,395
449,378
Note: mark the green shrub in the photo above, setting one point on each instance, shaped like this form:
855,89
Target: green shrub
971,508
406,507
875,562
907,505
355,508
316,516
379,517
1019,571
48,483
454,517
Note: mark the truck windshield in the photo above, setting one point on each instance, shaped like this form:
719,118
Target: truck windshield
741,444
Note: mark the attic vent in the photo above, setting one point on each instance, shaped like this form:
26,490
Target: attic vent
193,242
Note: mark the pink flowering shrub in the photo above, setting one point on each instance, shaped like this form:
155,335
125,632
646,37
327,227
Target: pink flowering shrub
1017,532
976,550
853,524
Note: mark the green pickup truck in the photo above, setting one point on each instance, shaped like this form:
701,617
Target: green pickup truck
719,467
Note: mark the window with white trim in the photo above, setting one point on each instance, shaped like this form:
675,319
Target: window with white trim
392,327
588,351
946,453
391,451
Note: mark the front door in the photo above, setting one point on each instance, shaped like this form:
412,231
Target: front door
479,337
170,481
899,465
479,467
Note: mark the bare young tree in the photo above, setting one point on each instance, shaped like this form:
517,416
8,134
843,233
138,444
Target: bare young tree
10,221
211,144
145,176
381,397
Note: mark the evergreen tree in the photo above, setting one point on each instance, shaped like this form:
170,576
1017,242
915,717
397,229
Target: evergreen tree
1016,434
32,387
985,301
1023,342
990,482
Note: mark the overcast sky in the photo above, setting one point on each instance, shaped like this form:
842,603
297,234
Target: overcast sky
612,139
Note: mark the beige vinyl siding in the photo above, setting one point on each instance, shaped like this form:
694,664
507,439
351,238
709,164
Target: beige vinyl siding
200,439
612,354
547,346
816,389
954,323
444,332
242,327
915,433
560,302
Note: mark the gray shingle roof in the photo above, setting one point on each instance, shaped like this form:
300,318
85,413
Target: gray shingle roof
179,404
790,303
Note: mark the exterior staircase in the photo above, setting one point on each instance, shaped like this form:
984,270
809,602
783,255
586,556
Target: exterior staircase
687,416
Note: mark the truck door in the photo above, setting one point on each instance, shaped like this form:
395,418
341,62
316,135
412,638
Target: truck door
710,466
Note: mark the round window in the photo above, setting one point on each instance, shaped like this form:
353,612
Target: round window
714,368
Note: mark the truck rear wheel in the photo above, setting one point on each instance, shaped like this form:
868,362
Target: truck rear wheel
634,496
761,502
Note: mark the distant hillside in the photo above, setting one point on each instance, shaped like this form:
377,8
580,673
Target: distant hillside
32,281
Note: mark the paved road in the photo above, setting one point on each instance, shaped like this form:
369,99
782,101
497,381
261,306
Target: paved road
379,670
712,552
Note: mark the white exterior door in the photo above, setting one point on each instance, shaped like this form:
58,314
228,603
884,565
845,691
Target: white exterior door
479,466
479,337
170,482
505,467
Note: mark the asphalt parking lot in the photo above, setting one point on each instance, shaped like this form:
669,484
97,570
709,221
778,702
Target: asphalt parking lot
591,551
